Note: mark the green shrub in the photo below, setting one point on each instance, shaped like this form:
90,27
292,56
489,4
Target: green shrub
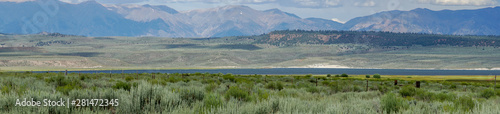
465,103
392,103
65,89
424,95
154,81
229,76
83,77
356,88
6,89
488,93
122,85
309,75
344,75
129,78
190,96
376,76
453,86
63,84
325,83
211,87
444,96
337,75
212,101
263,95
279,86
275,85
58,80
407,91
237,93
312,89
367,76
328,75
275,106
383,88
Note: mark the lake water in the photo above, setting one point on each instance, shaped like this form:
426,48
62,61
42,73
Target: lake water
289,71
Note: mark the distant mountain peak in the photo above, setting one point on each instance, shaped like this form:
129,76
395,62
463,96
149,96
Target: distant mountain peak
273,10
90,2
421,10
421,20
278,11
162,8
234,6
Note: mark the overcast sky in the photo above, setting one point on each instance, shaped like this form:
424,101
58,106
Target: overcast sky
342,10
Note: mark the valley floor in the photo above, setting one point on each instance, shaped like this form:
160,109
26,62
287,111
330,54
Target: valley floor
31,52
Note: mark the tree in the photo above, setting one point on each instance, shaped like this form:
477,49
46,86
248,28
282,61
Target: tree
376,76
328,75
367,76
344,75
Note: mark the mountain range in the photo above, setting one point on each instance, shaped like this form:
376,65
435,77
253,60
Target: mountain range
93,19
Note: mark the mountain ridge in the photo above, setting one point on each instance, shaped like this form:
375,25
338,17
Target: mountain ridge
422,20
91,18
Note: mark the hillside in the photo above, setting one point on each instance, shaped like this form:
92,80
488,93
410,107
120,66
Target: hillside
291,37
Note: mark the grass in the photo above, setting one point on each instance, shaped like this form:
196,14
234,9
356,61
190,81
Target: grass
432,77
229,93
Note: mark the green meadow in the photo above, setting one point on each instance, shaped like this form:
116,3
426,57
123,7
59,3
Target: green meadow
242,94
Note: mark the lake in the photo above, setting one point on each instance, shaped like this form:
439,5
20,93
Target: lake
289,71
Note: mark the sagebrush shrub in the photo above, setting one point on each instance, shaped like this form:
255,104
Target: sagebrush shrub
313,89
212,101
237,93
129,78
190,96
466,103
229,76
391,103
424,95
407,91
211,87
275,85
488,93
122,85
445,96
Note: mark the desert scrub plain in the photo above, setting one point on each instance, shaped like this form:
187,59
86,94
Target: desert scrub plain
248,94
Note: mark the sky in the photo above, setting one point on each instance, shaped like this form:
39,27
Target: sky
338,10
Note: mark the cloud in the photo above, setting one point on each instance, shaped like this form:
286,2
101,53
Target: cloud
310,3
288,3
460,2
15,0
367,3
105,1
338,20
